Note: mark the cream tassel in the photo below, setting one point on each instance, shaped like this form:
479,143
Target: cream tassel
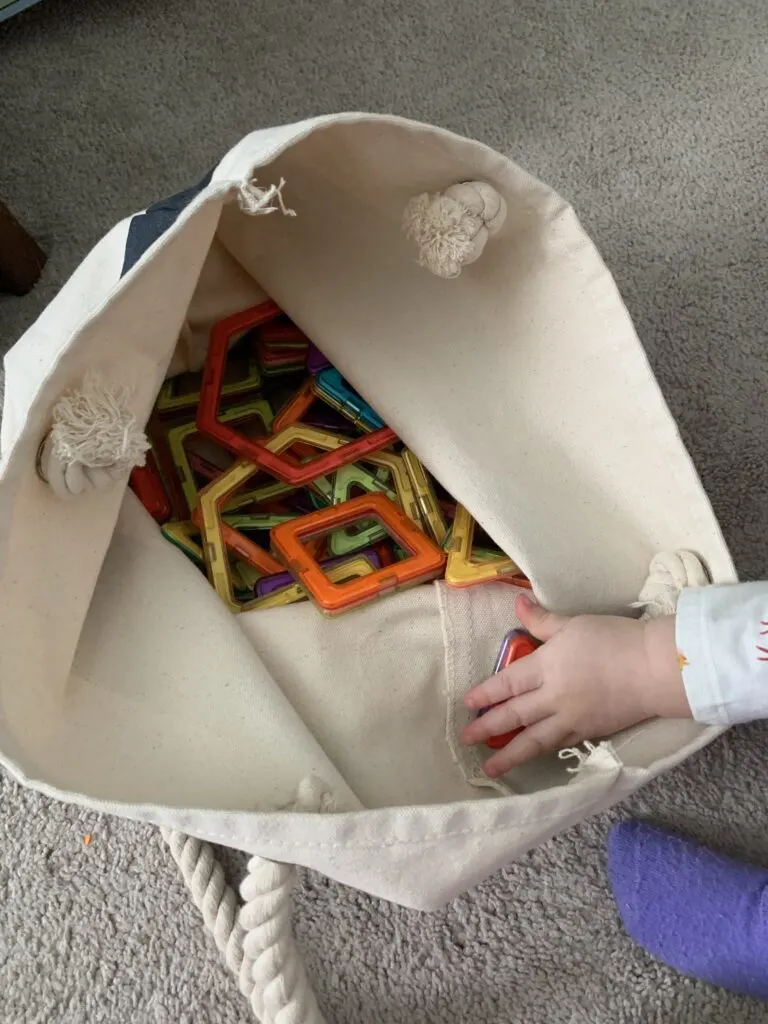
451,228
94,439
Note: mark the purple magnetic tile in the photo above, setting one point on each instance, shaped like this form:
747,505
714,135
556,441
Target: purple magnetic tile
269,584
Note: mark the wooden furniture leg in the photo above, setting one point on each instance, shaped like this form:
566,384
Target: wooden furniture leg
21,258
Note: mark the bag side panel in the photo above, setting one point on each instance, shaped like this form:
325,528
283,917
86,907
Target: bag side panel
521,384
51,550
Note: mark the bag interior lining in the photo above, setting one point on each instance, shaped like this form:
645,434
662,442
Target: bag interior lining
474,375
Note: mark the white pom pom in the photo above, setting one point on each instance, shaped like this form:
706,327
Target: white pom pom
93,441
451,228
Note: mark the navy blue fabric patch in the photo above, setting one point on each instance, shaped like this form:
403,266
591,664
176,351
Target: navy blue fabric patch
146,228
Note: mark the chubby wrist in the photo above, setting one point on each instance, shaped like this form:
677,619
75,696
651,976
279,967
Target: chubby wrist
664,694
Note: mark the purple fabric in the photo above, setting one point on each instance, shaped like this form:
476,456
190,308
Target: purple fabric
316,361
700,912
269,584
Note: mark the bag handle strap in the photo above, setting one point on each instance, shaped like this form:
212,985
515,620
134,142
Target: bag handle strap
257,940
214,898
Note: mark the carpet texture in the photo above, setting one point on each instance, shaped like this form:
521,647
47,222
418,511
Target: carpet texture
651,119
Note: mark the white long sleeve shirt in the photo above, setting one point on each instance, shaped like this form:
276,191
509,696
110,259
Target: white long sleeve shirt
722,643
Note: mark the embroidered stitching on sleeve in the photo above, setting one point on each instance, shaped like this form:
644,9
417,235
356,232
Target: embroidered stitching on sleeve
763,655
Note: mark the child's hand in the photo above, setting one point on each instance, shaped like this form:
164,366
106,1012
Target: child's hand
594,675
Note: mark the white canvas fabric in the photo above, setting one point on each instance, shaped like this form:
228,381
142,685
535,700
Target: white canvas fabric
127,686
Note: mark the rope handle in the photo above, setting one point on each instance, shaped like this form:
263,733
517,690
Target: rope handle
670,572
255,939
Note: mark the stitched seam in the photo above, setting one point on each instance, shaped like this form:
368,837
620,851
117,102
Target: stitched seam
379,843
468,761
450,669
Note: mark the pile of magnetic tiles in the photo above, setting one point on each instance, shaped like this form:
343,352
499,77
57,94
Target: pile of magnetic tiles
277,479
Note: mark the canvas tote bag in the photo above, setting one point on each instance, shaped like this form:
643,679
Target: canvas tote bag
127,686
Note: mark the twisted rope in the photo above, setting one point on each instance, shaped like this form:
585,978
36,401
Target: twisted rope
216,901
669,573
256,940
281,992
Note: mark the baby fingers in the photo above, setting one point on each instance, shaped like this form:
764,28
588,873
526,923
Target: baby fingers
511,714
519,677
545,735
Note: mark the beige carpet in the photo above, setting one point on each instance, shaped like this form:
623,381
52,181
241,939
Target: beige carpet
651,117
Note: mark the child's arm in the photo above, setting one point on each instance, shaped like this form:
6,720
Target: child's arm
598,674
722,637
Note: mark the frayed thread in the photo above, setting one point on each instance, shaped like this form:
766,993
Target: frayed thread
439,226
257,201
580,756
93,426
451,228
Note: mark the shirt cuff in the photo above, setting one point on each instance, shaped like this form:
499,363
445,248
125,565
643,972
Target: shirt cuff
722,643
692,634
